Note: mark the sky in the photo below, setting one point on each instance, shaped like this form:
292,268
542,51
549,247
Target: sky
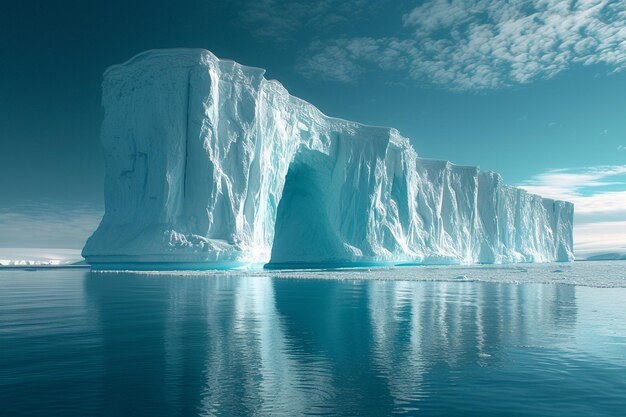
535,90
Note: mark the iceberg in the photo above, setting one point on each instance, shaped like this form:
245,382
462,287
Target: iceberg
211,165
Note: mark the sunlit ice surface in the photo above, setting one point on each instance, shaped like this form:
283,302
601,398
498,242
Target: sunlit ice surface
219,165
541,340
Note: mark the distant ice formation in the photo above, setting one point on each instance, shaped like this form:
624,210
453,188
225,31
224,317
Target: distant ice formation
14,257
209,163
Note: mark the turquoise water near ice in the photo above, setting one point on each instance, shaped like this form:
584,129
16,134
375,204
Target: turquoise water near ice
82,343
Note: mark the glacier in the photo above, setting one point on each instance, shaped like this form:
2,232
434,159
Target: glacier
209,164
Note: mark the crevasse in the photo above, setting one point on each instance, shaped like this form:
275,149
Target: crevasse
210,164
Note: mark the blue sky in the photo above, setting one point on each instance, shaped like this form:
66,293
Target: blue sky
532,89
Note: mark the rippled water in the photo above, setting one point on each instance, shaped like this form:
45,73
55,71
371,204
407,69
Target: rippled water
80,343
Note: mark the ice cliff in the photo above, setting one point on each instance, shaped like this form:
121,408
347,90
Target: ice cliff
209,162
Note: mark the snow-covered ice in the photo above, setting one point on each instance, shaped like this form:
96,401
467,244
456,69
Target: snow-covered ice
209,162
598,274
39,257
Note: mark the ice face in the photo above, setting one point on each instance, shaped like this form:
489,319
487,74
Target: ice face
208,162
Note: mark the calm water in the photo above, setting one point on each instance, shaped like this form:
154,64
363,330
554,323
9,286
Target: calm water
78,343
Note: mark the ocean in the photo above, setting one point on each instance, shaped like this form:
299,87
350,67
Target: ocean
524,340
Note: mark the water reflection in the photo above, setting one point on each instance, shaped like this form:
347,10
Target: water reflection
226,345
208,345
424,332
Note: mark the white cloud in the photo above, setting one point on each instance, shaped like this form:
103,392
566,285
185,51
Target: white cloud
469,45
600,214
621,148
570,184
600,237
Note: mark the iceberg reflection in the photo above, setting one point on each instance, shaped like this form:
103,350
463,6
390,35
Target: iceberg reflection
255,345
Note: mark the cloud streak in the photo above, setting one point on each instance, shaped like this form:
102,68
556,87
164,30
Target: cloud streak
590,189
583,187
48,225
345,60
284,21
600,237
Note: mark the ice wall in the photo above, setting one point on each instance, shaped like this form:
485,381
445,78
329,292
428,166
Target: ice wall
209,163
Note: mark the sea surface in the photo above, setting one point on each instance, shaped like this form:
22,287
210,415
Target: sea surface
547,340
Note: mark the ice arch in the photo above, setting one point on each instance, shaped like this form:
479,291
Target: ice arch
206,160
